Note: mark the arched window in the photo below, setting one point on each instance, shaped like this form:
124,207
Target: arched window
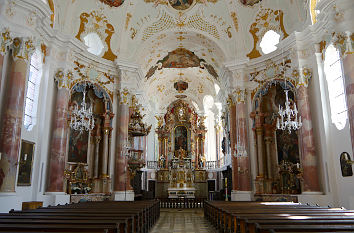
269,42
335,81
33,83
94,43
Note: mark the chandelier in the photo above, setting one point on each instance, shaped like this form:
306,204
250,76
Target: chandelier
289,119
82,119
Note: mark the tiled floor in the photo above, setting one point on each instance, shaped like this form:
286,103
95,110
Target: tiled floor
182,221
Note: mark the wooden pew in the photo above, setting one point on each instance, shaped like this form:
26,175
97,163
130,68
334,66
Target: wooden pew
258,217
122,217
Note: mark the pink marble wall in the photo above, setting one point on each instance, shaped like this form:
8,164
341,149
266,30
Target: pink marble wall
121,181
348,65
10,135
243,162
307,146
58,142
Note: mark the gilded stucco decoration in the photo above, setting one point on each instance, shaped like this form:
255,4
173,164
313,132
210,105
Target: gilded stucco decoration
303,78
313,5
267,19
113,3
240,95
181,58
343,41
91,74
44,50
195,22
23,48
5,41
235,20
97,22
249,2
52,16
284,70
63,80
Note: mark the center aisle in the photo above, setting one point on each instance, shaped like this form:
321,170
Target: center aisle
182,221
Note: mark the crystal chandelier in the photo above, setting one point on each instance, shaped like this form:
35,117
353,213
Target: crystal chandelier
82,119
288,117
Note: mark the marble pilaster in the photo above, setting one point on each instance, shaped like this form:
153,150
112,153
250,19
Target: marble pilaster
243,161
121,179
12,113
235,176
307,145
348,66
59,140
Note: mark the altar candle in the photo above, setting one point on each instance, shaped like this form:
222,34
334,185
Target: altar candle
25,157
297,165
239,169
0,155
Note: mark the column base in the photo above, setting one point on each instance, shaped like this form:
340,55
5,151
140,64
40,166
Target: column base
241,195
59,197
124,195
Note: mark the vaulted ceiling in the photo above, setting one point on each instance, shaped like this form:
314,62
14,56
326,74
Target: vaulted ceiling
144,32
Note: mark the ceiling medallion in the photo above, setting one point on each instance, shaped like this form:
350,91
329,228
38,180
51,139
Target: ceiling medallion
181,5
181,96
115,3
180,86
250,2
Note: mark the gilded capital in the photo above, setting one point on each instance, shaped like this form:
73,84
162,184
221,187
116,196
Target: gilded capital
22,49
304,77
5,41
63,80
240,95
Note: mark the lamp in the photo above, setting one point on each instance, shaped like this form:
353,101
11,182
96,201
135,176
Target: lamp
289,119
82,119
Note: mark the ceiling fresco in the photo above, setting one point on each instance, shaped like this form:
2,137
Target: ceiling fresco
114,3
249,2
181,58
181,4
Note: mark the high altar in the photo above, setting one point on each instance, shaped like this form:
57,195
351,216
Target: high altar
181,134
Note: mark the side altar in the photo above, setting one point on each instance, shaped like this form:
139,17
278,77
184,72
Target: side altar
181,134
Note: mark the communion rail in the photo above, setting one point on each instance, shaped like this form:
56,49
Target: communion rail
207,165
179,203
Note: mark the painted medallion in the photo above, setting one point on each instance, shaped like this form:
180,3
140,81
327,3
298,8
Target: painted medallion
181,4
249,2
115,3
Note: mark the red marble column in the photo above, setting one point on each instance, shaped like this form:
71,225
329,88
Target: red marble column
2,57
121,180
59,141
235,176
243,162
307,145
348,65
12,116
